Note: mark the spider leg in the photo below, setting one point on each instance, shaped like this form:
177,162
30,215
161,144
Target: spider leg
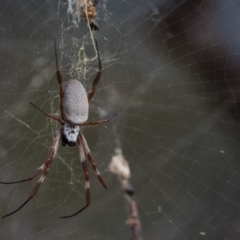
87,184
59,77
27,179
98,122
98,76
47,114
94,122
90,158
46,166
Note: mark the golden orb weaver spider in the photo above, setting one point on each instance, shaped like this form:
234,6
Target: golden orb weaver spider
74,107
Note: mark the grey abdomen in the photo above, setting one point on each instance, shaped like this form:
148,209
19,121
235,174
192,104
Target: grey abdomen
75,103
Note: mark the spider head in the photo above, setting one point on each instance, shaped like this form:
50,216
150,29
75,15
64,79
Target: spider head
70,134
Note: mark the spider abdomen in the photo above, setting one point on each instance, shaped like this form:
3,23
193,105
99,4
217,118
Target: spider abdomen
75,103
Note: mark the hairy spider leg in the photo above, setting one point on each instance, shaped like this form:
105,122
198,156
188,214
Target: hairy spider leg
60,82
45,167
87,183
99,121
59,78
27,179
47,114
98,76
91,160
84,150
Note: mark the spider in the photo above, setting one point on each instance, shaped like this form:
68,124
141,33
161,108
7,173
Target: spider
89,13
74,107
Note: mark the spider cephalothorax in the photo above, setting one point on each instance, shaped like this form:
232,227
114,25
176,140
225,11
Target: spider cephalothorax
74,106
70,134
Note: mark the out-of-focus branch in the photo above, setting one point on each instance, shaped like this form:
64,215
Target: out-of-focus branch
120,167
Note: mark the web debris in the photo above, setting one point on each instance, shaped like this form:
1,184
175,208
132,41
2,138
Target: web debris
120,167
85,9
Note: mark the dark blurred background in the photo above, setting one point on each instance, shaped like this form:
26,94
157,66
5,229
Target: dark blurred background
171,72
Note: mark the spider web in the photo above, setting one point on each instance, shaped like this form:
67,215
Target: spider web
171,72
